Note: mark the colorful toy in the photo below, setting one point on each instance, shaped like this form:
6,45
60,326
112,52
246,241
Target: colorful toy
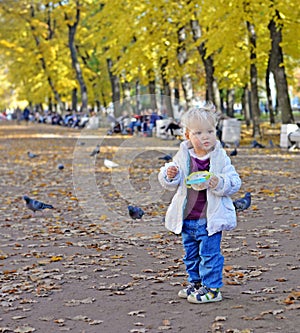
198,180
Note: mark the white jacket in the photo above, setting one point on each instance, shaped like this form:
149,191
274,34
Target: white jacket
221,213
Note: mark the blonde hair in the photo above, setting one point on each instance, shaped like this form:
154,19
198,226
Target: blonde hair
196,115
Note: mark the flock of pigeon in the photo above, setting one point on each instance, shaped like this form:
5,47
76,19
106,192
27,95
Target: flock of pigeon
36,205
135,212
108,163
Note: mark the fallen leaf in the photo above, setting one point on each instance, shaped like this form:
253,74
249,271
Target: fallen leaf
281,279
95,322
136,312
24,329
56,258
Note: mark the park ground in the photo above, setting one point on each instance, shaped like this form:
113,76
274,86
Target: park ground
86,267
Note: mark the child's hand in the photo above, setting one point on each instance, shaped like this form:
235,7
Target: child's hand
172,172
213,182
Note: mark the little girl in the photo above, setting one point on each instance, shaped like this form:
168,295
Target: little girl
200,213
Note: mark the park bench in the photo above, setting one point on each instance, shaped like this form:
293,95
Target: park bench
289,136
294,139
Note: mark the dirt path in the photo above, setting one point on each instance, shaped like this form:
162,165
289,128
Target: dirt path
87,267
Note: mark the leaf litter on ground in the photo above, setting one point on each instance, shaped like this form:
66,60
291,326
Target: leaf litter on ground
41,256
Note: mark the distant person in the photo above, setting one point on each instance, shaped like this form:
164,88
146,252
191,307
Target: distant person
219,127
135,123
18,115
145,127
153,118
173,125
26,114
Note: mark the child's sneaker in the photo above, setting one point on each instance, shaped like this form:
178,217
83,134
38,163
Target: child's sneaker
205,295
192,287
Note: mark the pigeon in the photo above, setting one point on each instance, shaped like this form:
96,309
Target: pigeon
31,155
35,205
234,152
110,164
242,203
60,167
135,212
255,144
95,151
236,143
166,158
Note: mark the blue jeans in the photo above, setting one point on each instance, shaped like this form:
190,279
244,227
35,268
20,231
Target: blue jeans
203,259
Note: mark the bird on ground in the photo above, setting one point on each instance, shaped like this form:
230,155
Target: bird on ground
271,143
31,155
95,151
110,164
166,158
60,167
135,212
236,143
36,205
242,203
255,144
234,152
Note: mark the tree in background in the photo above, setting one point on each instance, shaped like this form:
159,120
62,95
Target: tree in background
56,50
277,67
72,19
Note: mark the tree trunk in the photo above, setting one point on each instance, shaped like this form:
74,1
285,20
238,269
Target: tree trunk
166,90
138,97
166,98
74,99
278,69
152,93
115,86
176,93
50,104
75,63
217,97
186,80
98,105
40,107
212,91
230,102
253,79
269,96
222,107
43,62
126,105
187,87
209,73
103,99
246,106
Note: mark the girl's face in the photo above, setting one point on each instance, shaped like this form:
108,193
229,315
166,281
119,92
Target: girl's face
202,137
